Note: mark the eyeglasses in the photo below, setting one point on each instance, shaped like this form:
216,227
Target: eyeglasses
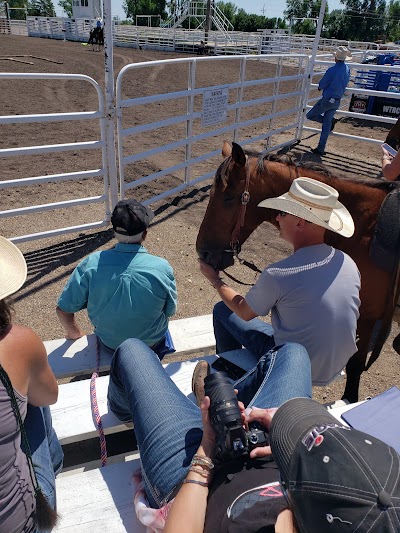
282,214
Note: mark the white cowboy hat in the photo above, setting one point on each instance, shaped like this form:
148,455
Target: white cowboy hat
316,202
12,268
342,54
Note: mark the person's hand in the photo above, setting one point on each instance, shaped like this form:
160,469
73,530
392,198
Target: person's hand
208,271
263,417
208,440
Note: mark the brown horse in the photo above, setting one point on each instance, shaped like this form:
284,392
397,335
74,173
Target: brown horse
271,176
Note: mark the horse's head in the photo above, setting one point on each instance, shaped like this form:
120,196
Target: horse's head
227,224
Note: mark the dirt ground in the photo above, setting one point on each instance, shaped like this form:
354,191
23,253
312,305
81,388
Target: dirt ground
173,233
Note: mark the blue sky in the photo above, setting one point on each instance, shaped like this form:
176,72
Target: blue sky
270,8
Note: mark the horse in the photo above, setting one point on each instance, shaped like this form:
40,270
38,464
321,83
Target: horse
232,216
96,36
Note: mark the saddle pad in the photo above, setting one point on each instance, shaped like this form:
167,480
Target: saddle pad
385,244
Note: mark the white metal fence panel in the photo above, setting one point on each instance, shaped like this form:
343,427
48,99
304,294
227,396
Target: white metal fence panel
251,99
70,175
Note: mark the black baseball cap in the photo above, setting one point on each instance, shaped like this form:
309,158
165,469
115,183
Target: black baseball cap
336,479
131,217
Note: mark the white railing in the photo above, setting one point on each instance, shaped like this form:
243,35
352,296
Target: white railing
108,188
176,141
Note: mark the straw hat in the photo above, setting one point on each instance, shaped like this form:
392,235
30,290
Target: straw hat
342,54
12,268
316,202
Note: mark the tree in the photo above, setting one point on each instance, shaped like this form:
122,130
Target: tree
228,9
17,14
66,5
393,20
41,8
144,7
303,9
364,20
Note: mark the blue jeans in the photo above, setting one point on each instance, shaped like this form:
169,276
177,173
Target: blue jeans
323,112
232,332
47,454
168,425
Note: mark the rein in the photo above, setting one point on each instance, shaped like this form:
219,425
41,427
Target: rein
235,243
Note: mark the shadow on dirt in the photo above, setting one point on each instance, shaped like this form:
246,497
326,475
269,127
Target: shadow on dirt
44,261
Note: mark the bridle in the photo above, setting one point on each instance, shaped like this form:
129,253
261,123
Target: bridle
235,242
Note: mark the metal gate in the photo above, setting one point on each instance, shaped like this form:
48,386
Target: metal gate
256,100
19,189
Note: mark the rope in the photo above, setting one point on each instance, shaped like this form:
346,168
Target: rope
95,407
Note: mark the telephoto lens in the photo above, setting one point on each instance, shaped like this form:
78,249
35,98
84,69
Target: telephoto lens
225,417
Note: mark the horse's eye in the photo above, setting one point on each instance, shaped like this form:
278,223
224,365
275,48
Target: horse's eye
228,197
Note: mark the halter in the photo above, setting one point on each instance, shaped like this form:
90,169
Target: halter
235,243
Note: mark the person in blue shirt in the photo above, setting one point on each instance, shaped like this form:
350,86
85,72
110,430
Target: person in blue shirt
333,85
128,293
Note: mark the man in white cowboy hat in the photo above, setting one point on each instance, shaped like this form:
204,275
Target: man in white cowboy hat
333,85
313,295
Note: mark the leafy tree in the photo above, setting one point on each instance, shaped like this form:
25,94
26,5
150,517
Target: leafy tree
17,14
66,5
144,7
364,20
41,8
228,9
393,20
303,9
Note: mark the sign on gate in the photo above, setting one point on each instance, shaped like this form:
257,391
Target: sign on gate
215,106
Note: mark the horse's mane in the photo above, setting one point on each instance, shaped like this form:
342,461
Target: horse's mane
288,160
375,183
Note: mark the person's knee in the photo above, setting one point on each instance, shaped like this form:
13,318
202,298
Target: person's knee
295,352
127,350
220,309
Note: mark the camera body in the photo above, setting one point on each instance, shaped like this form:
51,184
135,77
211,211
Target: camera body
233,440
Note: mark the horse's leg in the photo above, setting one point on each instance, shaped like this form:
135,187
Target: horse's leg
356,365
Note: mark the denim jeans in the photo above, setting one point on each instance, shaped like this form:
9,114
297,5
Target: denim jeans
168,425
47,454
232,332
323,112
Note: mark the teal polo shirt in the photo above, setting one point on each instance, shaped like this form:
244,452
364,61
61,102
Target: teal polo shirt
128,293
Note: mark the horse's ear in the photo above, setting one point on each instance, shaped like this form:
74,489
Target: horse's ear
226,150
238,155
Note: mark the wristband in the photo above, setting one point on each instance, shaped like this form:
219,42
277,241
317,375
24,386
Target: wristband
202,460
202,473
201,483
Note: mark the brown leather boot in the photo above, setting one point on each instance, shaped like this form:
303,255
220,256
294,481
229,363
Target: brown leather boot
200,372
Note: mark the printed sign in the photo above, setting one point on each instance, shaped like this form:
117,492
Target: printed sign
215,105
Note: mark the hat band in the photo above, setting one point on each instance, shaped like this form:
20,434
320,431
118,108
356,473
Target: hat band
310,204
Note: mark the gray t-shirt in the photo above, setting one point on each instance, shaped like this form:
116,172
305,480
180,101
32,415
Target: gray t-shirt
313,296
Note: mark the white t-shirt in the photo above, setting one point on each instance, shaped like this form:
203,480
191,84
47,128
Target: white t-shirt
313,296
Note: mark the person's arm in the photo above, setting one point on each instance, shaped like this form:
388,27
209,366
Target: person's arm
29,350
188,512
68,321
390,165
235,301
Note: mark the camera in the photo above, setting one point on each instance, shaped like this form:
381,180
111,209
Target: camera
233,440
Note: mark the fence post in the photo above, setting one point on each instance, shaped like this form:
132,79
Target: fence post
299,132
110,163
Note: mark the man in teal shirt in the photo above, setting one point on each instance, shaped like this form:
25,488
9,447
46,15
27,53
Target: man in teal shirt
128,293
